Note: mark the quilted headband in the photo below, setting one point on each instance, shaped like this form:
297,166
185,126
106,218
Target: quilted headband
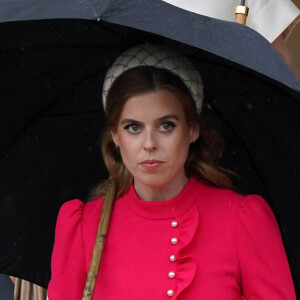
160,57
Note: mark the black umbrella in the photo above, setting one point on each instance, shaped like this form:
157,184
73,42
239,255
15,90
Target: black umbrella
51,117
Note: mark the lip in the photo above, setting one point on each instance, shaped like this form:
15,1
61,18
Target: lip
151,164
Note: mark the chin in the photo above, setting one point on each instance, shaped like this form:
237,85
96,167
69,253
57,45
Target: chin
154,180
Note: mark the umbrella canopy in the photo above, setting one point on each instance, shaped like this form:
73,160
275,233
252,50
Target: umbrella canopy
51,117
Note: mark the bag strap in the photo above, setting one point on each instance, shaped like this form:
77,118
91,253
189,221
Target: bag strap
100,240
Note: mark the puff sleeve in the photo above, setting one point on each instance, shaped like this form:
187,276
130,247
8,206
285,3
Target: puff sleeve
68,271
265,272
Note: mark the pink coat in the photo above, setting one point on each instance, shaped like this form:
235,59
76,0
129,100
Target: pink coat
206,243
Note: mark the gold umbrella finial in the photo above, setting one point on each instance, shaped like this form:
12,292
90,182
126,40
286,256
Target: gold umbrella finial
241,13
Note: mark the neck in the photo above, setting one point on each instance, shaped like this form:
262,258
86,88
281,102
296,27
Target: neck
160,193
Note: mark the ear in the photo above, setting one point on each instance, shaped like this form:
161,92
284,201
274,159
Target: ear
115,137
194,133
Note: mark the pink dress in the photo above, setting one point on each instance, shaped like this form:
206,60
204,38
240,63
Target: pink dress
206,243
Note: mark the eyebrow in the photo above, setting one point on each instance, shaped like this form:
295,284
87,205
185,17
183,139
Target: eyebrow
126,121
168,117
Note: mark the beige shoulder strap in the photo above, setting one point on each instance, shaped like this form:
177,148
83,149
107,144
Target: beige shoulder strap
100,240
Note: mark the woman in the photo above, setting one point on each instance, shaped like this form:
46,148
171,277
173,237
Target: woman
177,231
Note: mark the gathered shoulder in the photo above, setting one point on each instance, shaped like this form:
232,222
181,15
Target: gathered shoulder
76,209
76,216
262,262
69,213
247,207
255,212
69,251
93,208
219,198
261,252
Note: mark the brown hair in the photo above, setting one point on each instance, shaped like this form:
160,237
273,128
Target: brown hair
204,154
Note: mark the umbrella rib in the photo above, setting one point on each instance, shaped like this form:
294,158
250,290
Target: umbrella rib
26,124
117,34
242,143
57,99
55,80
69,114
69,45
40,111
65,94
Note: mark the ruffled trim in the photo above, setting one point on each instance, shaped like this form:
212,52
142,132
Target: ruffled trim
186,265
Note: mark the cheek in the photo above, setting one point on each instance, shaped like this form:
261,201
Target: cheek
128,149
176,153
178,148
182,155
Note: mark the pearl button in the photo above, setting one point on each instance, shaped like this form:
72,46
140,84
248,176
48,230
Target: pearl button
171,274
170,293
174,241
174,224
172,258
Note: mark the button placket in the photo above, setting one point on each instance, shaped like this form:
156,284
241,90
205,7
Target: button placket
174,225
174,241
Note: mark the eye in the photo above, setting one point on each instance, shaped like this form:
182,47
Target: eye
133,128
167,126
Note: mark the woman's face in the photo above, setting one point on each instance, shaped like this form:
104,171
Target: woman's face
154,138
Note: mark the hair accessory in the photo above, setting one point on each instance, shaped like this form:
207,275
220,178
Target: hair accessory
160,57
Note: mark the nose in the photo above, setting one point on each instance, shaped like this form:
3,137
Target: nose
150,143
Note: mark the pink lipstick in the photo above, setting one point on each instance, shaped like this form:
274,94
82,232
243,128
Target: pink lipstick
151,164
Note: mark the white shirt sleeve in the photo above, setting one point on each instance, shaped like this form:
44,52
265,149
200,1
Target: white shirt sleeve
269,17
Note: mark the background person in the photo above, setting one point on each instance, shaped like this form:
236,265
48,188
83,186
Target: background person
6,288
274,19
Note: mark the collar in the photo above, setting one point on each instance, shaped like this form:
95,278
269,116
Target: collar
167,209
